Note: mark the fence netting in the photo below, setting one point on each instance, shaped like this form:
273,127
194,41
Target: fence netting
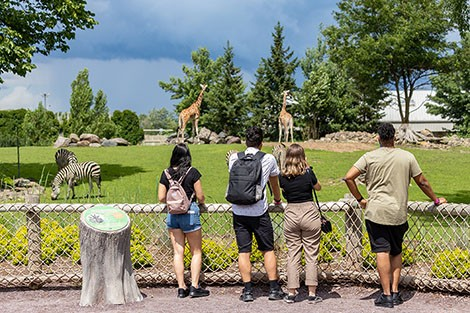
39,245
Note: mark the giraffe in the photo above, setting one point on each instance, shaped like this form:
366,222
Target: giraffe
190,113
286,123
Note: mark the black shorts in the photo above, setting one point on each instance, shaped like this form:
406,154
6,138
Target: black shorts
386,238
260,226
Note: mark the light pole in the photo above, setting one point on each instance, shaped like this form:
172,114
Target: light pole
45,95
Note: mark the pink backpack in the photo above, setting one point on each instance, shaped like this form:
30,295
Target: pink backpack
177,201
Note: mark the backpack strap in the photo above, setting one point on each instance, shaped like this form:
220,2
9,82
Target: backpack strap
259,155
180,181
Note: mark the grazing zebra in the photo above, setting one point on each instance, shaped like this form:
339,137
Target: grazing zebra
279,152
229,154
73,173
64,157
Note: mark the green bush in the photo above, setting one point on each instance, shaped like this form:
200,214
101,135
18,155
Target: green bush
452,264
18,247
331,241
5,238
215,256
140,256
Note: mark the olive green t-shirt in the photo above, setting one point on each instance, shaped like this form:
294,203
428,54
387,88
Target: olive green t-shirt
388,172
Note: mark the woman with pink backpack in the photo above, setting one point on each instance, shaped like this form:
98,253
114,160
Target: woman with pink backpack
183,219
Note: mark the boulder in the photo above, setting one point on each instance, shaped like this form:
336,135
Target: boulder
233,139
83,143
109,143
74,138
61,142
120,141
91,138
207,136
95,145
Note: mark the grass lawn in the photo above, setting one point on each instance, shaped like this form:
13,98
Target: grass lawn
130,174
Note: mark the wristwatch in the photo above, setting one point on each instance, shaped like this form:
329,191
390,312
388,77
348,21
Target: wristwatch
437,201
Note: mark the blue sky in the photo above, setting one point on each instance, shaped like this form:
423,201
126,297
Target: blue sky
141,42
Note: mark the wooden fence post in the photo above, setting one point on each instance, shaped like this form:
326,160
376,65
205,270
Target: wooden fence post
33,225
105,234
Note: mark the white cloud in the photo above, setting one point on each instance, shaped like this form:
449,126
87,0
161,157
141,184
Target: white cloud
128,84
17,97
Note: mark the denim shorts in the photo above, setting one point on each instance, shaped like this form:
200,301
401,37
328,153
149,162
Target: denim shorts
188,222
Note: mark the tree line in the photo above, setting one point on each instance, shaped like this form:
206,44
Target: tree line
376,51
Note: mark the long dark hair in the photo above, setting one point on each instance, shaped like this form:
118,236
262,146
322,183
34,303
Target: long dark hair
181,160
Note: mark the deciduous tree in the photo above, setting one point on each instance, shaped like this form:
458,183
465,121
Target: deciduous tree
453,89
29,27
128,127
81,101
389,43
40,127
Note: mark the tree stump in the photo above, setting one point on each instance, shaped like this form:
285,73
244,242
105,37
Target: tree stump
105,256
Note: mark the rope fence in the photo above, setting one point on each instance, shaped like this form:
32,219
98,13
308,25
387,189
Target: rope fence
39,245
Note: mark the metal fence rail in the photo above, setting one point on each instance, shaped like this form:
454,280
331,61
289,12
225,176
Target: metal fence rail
39,244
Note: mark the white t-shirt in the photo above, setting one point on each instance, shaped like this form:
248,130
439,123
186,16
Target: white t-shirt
270,168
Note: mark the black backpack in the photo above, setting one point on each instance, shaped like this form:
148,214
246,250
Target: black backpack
244,184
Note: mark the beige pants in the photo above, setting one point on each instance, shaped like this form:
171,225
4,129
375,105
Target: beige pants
302,231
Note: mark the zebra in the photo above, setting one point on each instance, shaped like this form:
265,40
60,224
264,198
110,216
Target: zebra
229,154
73,173
64,157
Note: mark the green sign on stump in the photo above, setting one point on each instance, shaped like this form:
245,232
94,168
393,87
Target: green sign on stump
106,218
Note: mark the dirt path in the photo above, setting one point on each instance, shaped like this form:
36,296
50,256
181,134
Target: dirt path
332,146
337,298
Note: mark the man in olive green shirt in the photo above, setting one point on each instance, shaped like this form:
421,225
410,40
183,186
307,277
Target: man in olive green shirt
388,172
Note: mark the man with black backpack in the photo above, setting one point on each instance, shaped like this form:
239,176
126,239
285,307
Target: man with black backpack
250,171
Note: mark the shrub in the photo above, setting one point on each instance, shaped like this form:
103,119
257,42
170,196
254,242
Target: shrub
140,256
452,264
5,238
215,256
18,247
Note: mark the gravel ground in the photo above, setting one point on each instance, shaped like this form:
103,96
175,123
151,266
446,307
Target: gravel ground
337,298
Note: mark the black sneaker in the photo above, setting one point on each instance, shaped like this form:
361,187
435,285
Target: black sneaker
384,301
198,292
289,298
276,294
314,299
182,292
246,296
397,299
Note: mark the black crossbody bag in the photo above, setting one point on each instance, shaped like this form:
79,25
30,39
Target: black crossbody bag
326,226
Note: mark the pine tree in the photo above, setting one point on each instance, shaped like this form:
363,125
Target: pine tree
273,76
227,111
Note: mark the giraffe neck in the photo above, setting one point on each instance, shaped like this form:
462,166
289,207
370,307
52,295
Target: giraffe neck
284,103
199,99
